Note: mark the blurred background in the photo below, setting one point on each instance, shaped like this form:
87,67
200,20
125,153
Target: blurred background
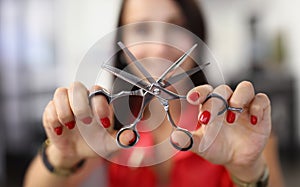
43,41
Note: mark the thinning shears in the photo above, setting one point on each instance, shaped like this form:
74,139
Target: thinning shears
149,90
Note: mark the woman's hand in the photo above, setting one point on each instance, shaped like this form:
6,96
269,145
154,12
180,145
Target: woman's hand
73,126
243,136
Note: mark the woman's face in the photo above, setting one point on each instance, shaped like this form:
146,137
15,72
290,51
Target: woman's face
154,45
152,10
155,56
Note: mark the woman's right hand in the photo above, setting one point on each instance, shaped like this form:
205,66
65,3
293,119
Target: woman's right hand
68,113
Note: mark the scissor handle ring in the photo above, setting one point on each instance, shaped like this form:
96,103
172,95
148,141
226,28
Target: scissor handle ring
227,107
103,92
176,146
131,144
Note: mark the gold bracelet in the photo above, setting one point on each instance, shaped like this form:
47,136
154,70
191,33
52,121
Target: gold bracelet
262,181
58,171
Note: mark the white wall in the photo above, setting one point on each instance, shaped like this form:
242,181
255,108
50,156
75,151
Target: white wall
78,26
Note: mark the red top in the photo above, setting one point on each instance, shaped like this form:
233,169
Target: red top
188,169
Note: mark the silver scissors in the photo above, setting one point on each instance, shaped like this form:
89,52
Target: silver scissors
153,89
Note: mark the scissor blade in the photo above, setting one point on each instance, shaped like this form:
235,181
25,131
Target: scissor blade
177,63
176,78
136,62
132,79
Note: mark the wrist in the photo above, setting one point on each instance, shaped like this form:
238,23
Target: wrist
263,181
58,164
57,159
248,173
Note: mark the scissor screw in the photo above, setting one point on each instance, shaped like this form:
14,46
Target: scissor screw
156,91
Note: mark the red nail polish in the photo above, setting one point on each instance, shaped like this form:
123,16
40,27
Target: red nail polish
204,118
105,122
70,124
253,120
58,130
194,96
198,125
132,140
230,116
87,120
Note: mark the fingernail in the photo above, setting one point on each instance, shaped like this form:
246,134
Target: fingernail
87,120
198,125
194,96
230,116
253,120
132,140
70,124
58,130
204,117
105,122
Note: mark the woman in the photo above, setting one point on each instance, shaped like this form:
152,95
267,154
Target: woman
235,157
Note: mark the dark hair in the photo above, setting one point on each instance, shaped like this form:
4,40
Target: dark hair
195,18
195,23
192,11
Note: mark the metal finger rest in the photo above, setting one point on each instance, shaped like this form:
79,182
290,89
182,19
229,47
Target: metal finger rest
178,147
227,107
101,92
132,143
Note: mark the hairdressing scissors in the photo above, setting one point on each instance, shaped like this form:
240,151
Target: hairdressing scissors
153,89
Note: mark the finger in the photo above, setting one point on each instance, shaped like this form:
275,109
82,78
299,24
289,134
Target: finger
79,102
198,94
100,108
259,108
127,137
63,108
211,107
51,121
241,98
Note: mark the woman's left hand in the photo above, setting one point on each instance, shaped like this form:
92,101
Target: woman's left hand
243,136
